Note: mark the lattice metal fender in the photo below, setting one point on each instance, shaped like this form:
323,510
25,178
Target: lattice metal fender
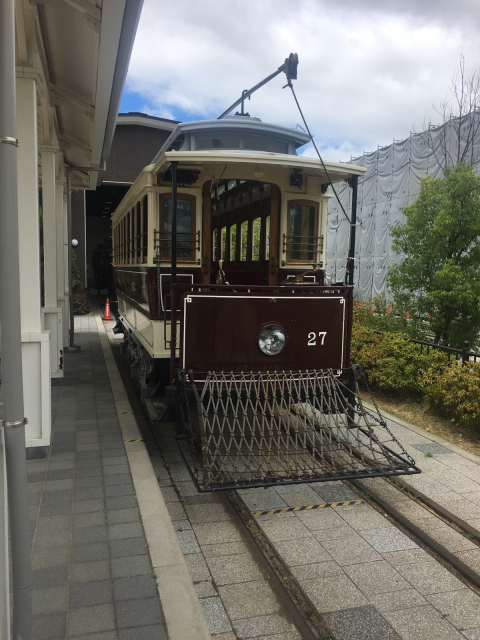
252,429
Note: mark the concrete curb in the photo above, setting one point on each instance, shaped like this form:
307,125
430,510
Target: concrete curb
426,434
182,609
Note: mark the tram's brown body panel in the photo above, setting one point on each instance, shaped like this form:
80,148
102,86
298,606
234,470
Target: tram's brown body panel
219,332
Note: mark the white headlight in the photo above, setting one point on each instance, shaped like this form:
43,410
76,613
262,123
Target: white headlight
271,339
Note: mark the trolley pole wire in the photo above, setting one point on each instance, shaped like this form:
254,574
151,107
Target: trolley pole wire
13,424
351,222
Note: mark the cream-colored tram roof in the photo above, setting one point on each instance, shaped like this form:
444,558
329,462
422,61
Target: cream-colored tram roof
216,162
262,166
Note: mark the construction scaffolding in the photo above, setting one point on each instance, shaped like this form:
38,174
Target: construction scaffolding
392,182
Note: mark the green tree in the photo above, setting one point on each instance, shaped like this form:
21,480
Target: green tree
438,282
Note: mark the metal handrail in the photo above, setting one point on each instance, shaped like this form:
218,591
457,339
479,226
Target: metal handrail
465,352
161,244
315,245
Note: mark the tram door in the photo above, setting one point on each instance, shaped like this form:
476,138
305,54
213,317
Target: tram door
243,233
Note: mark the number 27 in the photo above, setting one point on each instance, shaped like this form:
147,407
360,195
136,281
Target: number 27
312,338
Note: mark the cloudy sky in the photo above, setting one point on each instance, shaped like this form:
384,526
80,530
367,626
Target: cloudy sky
369,72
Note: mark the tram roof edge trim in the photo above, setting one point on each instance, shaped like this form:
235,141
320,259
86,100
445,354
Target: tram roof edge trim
215,157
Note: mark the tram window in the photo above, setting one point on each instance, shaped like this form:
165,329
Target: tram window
128,236
206,141
145,229
263,143
214,244
302,231
256,239
267,238
223,245
124,240
122,234
233,242
132,237
185,227
131,224
138,233
244,241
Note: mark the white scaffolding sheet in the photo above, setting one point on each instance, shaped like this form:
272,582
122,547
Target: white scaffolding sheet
391,182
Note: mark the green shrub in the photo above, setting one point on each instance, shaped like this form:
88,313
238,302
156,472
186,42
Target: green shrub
392,363
375,315
455,390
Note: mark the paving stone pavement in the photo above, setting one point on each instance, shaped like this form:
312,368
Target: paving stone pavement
366,578
92,574
447,477
237,600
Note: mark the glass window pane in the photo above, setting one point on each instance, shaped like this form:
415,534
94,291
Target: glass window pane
214,245
267,238
129,226
221,141
256,229
145,228
262,143
184,227
233,241
138,232
301,232
244,241
223,247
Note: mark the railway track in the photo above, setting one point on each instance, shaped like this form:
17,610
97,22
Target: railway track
309,622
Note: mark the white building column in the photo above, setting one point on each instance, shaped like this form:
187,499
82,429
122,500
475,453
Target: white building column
35,341
66,277
62,301
52,313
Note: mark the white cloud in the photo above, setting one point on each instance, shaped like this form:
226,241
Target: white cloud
369,71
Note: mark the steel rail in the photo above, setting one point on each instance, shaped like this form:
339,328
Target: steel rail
463,569
274,581
439,510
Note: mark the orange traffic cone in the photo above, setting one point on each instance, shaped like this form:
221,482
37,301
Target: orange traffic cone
107,315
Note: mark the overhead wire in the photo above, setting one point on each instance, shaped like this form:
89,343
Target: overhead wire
349,258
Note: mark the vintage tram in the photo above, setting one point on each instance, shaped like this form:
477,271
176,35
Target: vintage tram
219,254
244,197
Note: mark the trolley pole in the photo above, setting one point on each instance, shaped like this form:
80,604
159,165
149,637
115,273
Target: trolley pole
11,340
351,251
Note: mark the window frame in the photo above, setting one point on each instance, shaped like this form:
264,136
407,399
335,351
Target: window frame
193,225
308,203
